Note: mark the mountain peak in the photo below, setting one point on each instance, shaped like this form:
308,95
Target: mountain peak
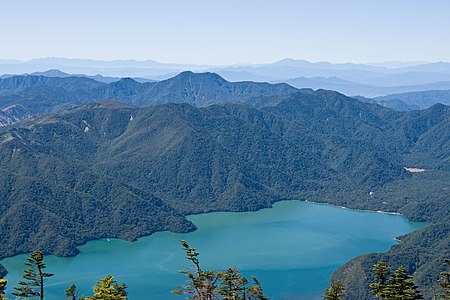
204,76
291,62
51,73
127,80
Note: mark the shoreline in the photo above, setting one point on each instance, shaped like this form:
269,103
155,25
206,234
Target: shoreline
356,209
221,211
285,204
218,211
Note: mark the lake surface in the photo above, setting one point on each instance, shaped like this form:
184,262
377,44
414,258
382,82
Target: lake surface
291,248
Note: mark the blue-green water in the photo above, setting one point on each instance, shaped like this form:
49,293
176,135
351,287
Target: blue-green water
291,248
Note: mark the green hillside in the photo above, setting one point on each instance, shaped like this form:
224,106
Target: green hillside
108,169
39,95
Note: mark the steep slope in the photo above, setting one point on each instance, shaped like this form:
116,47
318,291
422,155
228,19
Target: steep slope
38,95
111,169
23,97
12,114
397,104
195,160
38,100
421,252
54,201
206,89
125,89
15,84
426,134
424,197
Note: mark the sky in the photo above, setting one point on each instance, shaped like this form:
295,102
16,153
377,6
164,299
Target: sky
227,32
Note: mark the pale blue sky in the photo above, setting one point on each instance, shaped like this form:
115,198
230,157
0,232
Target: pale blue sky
227,32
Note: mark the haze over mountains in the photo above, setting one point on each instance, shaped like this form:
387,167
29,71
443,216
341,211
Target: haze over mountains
25,96
350,79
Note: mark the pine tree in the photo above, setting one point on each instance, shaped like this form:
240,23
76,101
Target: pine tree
398,286
35,277
381,275
255,292
444,282
209,285
108,289
234,286
72,292
202,285
402,287
3,283
334,292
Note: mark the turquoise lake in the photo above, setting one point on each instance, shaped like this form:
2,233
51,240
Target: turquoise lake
291,248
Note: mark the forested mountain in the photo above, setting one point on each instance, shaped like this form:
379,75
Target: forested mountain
427,133
25,96
111,169
199,89
421,252
421,100
14,84
97,77
28,96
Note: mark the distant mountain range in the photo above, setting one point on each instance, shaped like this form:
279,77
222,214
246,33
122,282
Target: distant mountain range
60,74
352,88
415,100
114,68
25,96
368,80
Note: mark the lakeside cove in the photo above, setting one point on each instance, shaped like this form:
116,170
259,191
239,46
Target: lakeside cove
294,242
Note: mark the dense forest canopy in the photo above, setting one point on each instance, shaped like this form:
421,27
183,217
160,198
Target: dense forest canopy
110,169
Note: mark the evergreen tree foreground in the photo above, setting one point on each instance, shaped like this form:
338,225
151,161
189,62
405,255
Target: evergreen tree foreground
226,285
397,286
33,285
209,285
3,283
444,283
334,292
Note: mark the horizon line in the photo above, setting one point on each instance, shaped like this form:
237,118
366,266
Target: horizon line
414,62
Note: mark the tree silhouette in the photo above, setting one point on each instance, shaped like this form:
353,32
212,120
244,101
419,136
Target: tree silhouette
209,285
382,273
108,289
402,287
34,276
444,282
72,292
3,283
334,292
397,286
